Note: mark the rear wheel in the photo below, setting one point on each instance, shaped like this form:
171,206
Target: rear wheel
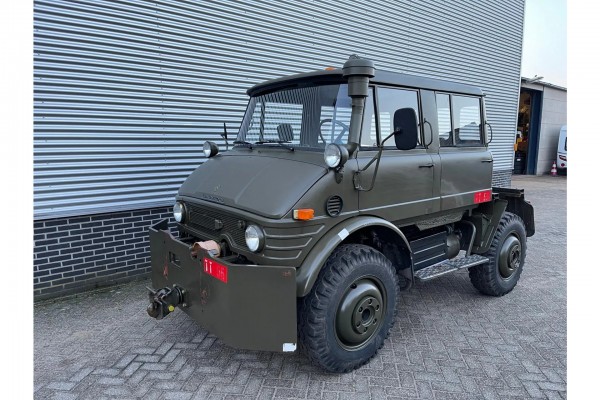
507,256
349,312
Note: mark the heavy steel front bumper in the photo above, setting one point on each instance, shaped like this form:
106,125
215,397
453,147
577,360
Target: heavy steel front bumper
246,306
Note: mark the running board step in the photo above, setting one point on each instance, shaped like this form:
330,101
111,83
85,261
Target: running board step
439,269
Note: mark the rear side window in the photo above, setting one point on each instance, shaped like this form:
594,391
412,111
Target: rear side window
466,115
459,120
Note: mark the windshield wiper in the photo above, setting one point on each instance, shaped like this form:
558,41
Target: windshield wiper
247,144
282,143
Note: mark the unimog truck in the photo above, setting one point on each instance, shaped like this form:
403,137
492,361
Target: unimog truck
342,188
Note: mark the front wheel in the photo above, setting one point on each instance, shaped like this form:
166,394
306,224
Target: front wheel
507,256
346,317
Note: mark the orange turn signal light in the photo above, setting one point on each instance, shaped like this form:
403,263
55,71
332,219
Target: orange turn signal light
304,214
329,68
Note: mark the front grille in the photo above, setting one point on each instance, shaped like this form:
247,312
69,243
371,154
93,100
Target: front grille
213,224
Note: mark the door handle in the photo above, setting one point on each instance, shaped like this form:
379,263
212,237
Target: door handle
487,161
426,166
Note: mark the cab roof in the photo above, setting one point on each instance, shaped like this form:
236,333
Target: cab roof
381,77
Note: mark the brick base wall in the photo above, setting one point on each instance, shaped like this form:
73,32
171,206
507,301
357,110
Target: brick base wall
502,178
81,253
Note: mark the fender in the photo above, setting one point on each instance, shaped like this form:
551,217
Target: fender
307,273
518,205
487,216
486,220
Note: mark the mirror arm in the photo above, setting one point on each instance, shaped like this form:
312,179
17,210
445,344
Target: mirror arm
377,158
378,155
356,180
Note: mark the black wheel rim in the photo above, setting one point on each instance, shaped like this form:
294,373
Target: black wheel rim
510,257
360,313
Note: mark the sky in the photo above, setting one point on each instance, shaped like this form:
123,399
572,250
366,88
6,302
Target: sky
545,41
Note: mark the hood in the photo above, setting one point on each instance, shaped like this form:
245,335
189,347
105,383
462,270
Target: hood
264,185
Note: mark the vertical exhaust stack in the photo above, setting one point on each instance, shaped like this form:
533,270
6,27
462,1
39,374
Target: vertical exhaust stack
358,71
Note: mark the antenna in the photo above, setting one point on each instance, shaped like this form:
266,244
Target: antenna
224,136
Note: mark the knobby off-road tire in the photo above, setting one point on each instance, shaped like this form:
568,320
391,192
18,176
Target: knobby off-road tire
344,320
507,256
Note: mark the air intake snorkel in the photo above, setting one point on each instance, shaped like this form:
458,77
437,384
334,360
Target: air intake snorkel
358,71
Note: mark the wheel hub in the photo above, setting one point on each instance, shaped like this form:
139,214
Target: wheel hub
510,257
359,313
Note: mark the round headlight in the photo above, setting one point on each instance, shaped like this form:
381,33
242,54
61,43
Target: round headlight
255,238
210,149
333,155
179,211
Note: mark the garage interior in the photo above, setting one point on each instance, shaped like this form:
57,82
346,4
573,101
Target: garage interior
528,132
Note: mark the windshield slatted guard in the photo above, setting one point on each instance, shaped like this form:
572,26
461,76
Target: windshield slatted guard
307,117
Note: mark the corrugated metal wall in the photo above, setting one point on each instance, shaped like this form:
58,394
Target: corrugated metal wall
126,92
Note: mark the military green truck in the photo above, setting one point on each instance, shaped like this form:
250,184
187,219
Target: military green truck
343,187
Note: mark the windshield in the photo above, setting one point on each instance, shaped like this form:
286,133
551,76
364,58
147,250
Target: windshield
309,117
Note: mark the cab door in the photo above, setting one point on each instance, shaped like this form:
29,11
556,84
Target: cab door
466,163
403,187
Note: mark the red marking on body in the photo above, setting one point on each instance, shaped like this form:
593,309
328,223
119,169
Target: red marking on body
215,269
482,197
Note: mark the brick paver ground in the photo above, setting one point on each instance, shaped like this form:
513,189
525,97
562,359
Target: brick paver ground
449,342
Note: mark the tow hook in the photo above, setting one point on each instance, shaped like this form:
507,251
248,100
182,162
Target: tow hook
164,301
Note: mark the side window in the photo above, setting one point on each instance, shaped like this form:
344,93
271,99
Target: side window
368,136
466,115
388,102
444,122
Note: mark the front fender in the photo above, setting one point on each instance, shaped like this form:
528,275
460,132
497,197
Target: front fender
306,275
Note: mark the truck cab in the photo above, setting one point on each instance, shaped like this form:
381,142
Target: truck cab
342,187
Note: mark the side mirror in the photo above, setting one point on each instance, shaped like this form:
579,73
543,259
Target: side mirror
405,128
